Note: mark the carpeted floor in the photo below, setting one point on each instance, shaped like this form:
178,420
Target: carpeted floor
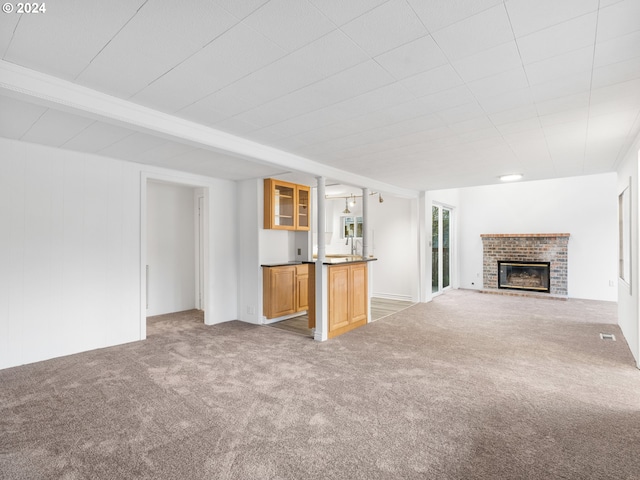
470,386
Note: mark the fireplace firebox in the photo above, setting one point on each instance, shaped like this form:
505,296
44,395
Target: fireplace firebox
531,276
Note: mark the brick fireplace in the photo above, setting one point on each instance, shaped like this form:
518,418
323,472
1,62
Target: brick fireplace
526,247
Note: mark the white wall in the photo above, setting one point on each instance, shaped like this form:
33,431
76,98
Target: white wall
629,298
584,206
70,251
171,226
276,245
250,294
394,242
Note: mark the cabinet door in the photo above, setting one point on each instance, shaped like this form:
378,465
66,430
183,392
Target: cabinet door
303,207
302,292
302,287
279,205
348,298
280,292
338,298
358,292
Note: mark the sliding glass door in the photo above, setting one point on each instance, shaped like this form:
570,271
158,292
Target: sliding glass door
440,248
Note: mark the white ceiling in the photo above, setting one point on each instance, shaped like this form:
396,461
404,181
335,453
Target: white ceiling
417,94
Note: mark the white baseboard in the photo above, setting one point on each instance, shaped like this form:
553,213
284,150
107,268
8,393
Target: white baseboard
392,296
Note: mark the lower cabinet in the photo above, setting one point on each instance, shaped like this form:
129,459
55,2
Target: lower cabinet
285,290
302,287
290,289
348,299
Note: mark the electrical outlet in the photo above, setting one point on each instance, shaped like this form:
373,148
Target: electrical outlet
251,310
611,283
299,251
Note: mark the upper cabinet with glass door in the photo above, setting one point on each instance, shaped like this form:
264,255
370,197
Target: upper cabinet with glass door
303,195
286,205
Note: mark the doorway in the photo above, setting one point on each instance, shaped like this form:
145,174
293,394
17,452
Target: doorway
440,248
173,248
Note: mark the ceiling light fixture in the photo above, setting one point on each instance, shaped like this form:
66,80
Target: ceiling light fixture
346,206
351,199
511,177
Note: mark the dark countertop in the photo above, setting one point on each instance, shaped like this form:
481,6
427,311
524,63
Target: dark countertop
327,261
341,260
282,264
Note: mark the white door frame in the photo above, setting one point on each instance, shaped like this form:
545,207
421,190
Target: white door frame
199,248
442,206
176,180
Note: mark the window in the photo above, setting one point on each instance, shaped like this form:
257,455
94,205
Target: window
351,227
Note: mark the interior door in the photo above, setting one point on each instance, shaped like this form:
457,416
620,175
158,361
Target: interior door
440,248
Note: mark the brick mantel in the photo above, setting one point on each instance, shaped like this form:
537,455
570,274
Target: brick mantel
526,247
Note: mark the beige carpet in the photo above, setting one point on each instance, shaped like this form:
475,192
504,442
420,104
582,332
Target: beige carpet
470,386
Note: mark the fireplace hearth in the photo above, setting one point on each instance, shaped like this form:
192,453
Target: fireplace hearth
529,276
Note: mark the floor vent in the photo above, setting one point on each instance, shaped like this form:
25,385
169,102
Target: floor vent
608,336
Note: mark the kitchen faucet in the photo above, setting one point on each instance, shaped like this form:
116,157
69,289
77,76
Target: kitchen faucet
354,244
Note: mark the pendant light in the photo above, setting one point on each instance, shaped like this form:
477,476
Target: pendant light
346,206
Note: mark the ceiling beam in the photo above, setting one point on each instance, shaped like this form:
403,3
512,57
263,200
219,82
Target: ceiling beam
46,90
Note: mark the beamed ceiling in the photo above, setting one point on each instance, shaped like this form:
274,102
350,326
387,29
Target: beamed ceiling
399,95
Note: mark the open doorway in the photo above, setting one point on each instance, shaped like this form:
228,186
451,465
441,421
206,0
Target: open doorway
175,248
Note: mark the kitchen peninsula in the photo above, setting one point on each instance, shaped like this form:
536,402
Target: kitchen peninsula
289,286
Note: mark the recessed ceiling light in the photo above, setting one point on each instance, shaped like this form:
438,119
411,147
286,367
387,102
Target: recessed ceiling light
511,178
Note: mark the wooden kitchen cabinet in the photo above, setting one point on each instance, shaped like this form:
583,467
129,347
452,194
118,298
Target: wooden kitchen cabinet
285,290
303,199
286,205
278,291
348,298
302,287
358,297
